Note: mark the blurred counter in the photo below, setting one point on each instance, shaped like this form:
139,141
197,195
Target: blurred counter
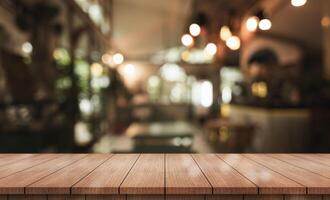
276,129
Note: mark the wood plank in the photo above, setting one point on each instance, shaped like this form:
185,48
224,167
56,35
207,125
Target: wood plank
324,155
66,197
268,181
315,183
11,158
305,163
223,178
3,197
185,197
315,158
105,197
326,197
27,197
15,183
24,164
146,176
61,181
183,176
115,169
224,197
264,197
303,197
145,197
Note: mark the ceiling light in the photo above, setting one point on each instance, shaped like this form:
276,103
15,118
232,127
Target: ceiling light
27,47
233,43
265,24
252,23
118,58
129,70
194,29
187,40
298,3
107,59
211,49
225,33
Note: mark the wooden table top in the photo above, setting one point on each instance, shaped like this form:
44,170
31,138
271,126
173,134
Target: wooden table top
159,174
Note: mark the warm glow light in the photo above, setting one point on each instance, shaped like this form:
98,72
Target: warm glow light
107,59
211,49
129,70
207,94
27,47
118,58
194,29
325,21
226,94
187,40
259,89
225,33
96,69
252,23
185,55
265,24
172,72
233,43
298,3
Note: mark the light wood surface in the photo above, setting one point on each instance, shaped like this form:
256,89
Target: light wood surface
61,181
306,162
15,183
315,158
223,178
6,159
267,180
20,165
146,176
314,183
164,176
183,176
107,178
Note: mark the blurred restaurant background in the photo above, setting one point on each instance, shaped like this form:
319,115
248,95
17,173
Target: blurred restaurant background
164,76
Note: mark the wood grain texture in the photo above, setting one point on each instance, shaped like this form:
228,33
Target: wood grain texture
146,176
185,197
9,169
264,197
224,197
268,181
105,197
315,158
61,181
145,197
160,176
324,155
305,163
326,197
107,178
27,197
183,176
15,183
6,159
223,178
303,197
315,183
66,197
